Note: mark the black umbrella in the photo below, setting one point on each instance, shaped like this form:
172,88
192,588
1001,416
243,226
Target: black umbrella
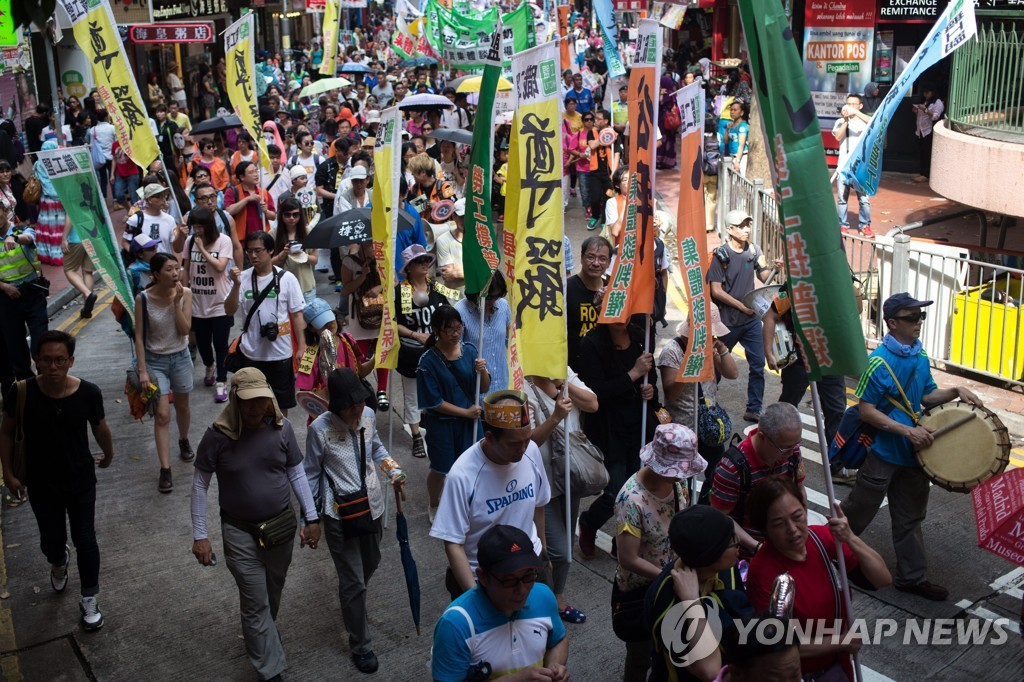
354,67
457,136
351,227
412,574
216,124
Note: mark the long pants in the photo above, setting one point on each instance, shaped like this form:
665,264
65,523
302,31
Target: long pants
584,181
749,336
366,347
29,310
260,576
710,202
558,539
863,205
620,468
212,340
638,661
925,153
831,390
355,560
103,173
907,488
50,508
600,183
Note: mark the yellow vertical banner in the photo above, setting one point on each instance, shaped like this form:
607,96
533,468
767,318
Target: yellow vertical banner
537,219
329,65
95,33
513,183
387,162
240,54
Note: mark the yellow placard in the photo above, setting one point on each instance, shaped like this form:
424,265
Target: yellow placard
239,52
387,157
329,65
93,26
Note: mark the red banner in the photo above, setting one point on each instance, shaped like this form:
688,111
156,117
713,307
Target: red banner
630,290
691,238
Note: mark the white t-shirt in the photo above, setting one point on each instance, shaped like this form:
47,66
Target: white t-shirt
155,227
479,493
854,129
276,307
105,136
209,287
177,90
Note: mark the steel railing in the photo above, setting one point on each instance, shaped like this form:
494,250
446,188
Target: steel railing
976,322
986,88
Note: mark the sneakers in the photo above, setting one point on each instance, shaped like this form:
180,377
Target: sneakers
572,192
929,591
418,450
220,394
588,541
752,416
383,404
185,451
90,302
845,229
866,231
571,615
59,572
845,476
366,662
211,376
92,619
592,224
165,485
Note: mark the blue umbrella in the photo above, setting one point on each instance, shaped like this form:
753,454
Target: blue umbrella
354,67
412,575
418,61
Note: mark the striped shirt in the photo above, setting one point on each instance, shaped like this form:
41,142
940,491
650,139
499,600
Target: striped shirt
727,490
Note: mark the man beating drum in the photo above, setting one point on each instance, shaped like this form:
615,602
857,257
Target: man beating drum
898,373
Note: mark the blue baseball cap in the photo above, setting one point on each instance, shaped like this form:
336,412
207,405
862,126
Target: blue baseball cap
318,314
897,302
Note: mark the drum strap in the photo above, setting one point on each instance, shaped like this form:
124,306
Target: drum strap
906,407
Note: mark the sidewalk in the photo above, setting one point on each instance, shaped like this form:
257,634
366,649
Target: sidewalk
901,201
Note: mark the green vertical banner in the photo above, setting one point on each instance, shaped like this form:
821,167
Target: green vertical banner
823,304
71,172
481,248
8,31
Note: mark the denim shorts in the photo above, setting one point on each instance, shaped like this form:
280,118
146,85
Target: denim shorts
171,372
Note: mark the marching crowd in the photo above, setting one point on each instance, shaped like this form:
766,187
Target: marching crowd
208,236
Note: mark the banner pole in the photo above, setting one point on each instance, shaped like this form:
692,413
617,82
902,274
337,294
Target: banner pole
844,582
482,305
647,376
391,440
568,480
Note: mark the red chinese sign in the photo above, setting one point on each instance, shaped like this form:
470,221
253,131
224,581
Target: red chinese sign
172,33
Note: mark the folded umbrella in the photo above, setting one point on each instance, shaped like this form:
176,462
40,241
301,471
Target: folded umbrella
412,575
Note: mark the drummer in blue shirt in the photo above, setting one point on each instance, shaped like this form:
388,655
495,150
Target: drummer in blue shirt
897,382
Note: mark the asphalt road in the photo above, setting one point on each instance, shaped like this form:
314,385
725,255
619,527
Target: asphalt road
169,618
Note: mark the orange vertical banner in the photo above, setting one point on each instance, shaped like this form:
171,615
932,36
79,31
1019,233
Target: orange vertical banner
563,36
691,238
630,290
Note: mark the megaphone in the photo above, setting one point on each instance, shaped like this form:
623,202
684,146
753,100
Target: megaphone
760,300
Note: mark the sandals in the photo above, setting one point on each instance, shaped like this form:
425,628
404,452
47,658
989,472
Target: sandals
571,615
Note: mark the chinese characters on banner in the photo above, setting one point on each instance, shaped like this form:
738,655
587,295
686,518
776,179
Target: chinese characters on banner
631,288
691,237
480,255
72,175
93,26
240,55
538,303
563,36
329,65
387,162
955,27
823,305
606,23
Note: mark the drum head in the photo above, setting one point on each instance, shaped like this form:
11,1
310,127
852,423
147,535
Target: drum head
968,454
311,402
442,211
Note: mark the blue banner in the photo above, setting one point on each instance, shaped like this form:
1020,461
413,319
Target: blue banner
609,38
956,26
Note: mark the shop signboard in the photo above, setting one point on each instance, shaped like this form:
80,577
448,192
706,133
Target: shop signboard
910,11
187,9
838,56
172,33
316,5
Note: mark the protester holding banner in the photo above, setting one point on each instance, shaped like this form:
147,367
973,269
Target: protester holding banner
613,363
583,292
50,226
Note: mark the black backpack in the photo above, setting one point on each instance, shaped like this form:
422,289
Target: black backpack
712,155
739,460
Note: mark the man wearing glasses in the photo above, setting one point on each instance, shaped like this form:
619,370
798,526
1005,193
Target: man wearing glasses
771,449
582,290
508,605
890,467
206,197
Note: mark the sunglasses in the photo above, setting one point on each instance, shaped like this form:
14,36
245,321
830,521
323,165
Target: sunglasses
206,197
421,261
292,214
588,119
912,317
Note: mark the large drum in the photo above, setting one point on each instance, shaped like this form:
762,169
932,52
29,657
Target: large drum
971,446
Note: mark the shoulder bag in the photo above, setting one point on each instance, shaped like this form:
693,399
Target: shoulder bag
33,193
353,510
234,360
18,456
587,473
849,447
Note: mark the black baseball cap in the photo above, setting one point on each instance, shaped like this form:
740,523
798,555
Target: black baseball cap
506,549
897,302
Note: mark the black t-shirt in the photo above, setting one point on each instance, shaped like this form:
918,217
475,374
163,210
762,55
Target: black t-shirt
581,315
56,439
